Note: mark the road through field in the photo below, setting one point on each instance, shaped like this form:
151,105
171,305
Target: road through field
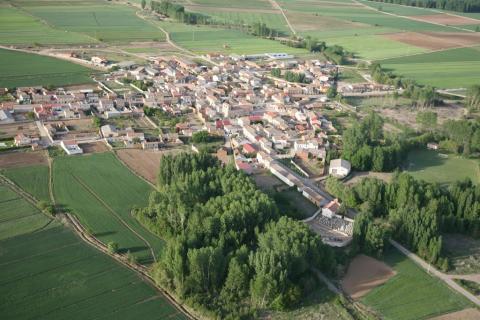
277,6
442,276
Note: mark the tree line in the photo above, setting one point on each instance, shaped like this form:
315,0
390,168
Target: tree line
337,54
423,96
413,212
290,76
453,5
228,250
367,147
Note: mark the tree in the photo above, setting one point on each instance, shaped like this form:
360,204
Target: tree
332,92
144,4
472,99
97,122
201,137
112,247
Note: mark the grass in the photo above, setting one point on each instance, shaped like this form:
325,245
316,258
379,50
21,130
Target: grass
109,23
412,293
204,39
294,204
33,179
25,69
428,165
454,68
46,272
19,28
102,192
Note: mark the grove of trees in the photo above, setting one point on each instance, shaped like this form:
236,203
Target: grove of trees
228,250
411,211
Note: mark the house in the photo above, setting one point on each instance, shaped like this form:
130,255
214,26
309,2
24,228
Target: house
6,117
330,210
22,140
430,145
150,145
244,166
249,149
71,147
339,168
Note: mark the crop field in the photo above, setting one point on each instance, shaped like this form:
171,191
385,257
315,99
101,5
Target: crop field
46,272
33,180
242,4
430,166
101,192
109,23
455,68
201,39
20,28
412,293
25,69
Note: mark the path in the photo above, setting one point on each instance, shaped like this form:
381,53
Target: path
469,277
116,215
431,269
278,7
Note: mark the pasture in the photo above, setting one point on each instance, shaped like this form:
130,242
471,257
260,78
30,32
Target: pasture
412,293
47,272
101,192
430,166
32,179
25,69
102,22
204,39
20,28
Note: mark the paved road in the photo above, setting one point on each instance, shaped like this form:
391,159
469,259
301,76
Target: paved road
442,276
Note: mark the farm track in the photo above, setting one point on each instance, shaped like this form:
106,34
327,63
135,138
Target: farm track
277,6
115,214
139,269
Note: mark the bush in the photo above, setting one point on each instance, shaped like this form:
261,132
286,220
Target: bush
112,247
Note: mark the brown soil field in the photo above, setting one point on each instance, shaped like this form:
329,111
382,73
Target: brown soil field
365,273
22,159
436,40
144,163
94,147
467,314
11,130
447,19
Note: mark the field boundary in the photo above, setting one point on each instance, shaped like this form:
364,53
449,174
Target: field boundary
142,271
116,215
133,171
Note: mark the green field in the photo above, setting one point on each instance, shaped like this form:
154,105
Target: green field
18,27
204,39
430,166
455,68
243,4
25,69
110,23
46,272
412,294
33,180
101,192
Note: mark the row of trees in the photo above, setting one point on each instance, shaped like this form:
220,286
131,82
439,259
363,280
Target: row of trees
454,5
366,147
228,251
417,211
423,96
178,12
290,75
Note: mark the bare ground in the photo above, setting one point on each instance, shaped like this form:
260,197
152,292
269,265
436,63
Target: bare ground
436,40
467,314
94,147
144,163
365,273
447,19
22,159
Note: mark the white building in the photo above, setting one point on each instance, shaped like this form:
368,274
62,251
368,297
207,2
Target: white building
339,168
71,147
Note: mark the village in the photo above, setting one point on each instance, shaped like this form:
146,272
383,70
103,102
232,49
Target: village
257,120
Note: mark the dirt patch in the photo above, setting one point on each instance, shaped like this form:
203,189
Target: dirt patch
436,40
22,159
467,314
365,273
11,130
144,163
94,147
358,176
446,19
407,116
266,182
